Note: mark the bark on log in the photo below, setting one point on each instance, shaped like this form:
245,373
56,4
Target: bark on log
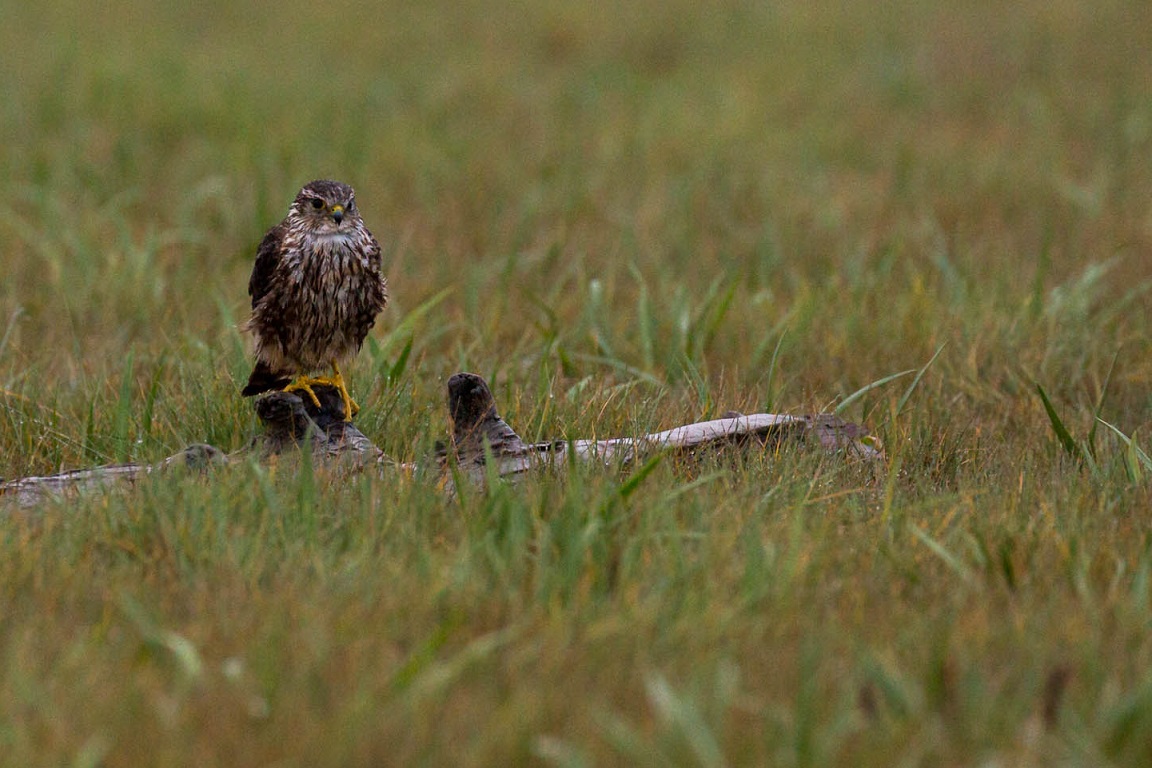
292,423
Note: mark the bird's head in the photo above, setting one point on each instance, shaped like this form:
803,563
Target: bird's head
326,207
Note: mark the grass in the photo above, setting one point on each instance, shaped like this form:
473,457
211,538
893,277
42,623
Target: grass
625,217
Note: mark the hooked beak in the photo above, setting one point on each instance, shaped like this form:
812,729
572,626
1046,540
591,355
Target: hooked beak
338,213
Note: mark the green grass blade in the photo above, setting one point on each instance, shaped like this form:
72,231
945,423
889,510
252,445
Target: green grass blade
560,753
629,486
848,401
683,716
645,320
770,402
1139,455
406,327
711,320
1062,433
122,416
698,383
916,381
954,563
150,397
397,368
610,362
1100,404
12,319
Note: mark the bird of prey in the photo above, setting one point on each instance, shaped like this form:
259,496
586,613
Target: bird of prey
316,288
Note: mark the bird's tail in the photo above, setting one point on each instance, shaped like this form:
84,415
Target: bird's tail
264,379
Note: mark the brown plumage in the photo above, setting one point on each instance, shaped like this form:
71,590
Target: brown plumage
316,289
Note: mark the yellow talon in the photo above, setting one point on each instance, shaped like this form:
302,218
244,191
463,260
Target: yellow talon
304,384
350,406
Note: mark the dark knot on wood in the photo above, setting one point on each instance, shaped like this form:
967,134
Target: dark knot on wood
470,403
475,421
291,419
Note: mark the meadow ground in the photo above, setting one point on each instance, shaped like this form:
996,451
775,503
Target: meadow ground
626,216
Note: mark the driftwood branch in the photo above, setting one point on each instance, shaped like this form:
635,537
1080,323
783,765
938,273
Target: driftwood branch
478,432
30,491
479,435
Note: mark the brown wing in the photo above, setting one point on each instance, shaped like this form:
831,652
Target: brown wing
372,251
267,257
376,289
263,378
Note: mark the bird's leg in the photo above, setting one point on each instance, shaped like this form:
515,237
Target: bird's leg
303,383
336,380
350,406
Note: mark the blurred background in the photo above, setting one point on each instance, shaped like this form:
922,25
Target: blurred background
681,189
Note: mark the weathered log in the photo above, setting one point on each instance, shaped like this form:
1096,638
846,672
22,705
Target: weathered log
292,423
478,433
30,491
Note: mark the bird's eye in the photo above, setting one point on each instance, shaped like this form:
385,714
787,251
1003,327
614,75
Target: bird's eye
317,203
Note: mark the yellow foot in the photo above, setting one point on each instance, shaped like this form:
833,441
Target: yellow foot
337,380
351,407
304,384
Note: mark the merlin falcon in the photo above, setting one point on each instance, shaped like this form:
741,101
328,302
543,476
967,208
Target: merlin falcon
316,288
